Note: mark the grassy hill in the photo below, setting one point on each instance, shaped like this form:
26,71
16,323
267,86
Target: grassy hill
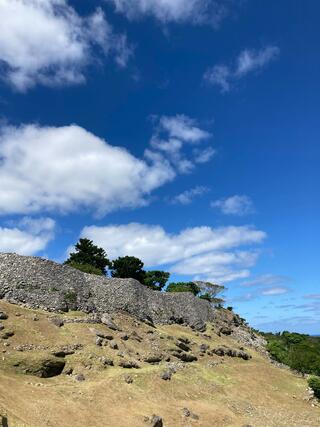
217,390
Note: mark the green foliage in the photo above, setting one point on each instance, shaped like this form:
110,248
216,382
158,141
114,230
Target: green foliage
70,297
209,291
89,254
184,287
86,268
128,267
314,384
156,279
300,352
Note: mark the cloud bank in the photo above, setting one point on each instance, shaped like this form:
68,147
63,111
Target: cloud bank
68,168
200,252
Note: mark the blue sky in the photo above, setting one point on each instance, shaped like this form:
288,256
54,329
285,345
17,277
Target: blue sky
185,134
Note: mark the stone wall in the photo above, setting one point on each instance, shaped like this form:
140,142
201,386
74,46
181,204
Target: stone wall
39,283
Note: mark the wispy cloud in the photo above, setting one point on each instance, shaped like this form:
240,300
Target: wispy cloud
267,280
173,135
236,205
187,197
248,61
195,12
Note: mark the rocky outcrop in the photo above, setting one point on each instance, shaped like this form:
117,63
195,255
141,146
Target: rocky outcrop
39,283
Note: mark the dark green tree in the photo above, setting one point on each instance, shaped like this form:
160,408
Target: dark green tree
156,279
128,266
86,253
184,287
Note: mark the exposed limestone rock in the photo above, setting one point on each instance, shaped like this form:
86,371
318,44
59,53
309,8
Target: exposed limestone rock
39,283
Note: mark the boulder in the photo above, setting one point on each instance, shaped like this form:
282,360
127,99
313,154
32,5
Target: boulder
129,364
106,319
155,421
3,315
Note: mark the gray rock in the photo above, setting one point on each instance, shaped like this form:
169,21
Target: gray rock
80,377
188,414
107,320
182,346
43,284
166,375
1,327
185,357
129,364
57,322
128,379
155,421
3,316
153,359
203,348
7,335
114,345
226,351
99,341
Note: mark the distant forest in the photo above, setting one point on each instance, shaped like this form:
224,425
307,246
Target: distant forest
300,352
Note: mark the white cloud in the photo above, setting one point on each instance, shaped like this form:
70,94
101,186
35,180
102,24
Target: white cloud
68,168
201,252
180,11
46,42
187,196
249,60
267,280
235,205
28,237
183,128
219,75
275,291
171,138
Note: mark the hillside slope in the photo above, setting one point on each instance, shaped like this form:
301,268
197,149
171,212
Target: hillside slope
93,385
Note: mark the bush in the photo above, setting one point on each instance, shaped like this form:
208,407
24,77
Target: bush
184,287
86,268
314,384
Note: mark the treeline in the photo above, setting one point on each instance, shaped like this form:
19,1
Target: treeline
92,259
300,352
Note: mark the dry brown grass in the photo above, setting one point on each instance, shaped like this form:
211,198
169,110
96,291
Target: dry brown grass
233,393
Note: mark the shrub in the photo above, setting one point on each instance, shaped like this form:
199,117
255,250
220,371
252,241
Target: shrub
184,287
314,384
86,268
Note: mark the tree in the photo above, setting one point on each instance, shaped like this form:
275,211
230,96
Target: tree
156,279
184,287
128,267
89,254
210,291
